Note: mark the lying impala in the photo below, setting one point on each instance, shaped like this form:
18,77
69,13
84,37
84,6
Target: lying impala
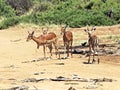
67,39
93,43
46,41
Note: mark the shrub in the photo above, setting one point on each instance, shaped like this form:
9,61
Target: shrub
9,22
117,15
75,13
6,10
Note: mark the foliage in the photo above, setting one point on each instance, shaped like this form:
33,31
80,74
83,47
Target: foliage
6,10
9,22
75,13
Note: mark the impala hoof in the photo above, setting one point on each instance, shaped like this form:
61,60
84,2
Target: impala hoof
98,61
63,58
93,61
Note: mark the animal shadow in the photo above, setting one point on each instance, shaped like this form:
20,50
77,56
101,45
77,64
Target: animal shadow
86,63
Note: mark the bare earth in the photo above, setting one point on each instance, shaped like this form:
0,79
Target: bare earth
17,62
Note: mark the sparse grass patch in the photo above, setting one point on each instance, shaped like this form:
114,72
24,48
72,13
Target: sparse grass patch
78,38
109,37
115,38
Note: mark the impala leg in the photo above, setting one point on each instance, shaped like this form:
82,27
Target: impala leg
97,55
56,50
98,59
93,58
37,46
68,50
93,50
58,53
89,54
64,50
71,48
44,47
89,58
46,52
50,48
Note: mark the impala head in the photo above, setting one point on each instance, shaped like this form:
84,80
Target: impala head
63,29
44,30
89,31
30,35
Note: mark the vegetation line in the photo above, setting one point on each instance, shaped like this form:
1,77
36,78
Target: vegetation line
75,13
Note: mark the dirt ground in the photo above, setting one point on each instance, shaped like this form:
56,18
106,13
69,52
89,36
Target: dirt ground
17,61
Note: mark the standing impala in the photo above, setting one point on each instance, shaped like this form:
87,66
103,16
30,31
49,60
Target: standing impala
46,41
93,43
67,40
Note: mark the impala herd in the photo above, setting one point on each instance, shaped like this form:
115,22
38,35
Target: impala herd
50,39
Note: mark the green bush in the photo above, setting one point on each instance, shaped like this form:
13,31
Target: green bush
116,15
9,22
75,13
6,10
67,12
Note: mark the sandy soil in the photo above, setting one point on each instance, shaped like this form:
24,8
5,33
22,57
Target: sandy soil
15,51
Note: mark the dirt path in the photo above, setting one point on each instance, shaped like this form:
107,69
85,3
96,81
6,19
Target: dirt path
17,64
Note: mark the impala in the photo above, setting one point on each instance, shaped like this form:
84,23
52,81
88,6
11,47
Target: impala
67,40
45,41
93,43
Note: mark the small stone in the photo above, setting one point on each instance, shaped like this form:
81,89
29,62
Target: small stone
71,88
23,87
36,73
42,72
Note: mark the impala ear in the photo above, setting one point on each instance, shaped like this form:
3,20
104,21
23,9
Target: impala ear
86,30
65,27
87,27
32,32
93,28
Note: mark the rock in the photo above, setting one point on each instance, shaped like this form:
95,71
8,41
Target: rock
60,63
77,51
42,72
36,73
30,80
83,44
33,80
71,88
75,76
60,78
23,87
